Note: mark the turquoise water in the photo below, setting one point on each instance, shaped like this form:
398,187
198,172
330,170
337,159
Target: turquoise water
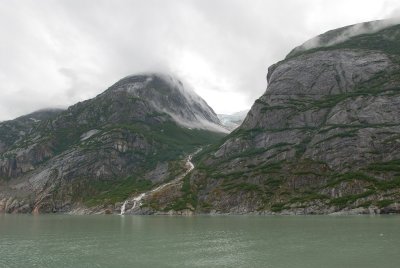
201,241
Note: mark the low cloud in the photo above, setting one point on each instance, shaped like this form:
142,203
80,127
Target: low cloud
349,32
56,53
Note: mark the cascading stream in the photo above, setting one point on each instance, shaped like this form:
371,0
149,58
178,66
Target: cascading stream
123,207
137,200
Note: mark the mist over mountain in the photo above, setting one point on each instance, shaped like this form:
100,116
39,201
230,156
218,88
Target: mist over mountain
130,138
344,34
199,133
322,139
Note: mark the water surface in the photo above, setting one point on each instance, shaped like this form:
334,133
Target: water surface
200,241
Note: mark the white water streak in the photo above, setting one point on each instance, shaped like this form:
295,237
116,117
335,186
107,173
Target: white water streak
137,201
123,207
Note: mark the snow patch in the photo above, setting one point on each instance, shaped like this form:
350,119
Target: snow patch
232,121
199,123
133,87
193,100
34,119
89,134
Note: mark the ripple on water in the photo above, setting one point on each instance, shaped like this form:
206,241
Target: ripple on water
140,241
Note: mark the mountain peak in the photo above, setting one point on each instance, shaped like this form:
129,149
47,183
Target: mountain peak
360,35
168,94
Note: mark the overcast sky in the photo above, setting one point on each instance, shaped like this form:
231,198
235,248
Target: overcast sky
54,53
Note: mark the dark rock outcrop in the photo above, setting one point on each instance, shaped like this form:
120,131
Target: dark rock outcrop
99,152
323,138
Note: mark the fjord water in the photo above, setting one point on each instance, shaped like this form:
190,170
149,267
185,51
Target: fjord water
200,241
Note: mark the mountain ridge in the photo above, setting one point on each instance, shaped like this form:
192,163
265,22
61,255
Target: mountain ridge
100,151
324,138
320,140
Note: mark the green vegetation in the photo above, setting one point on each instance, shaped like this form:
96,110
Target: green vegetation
277,179
4,179
385,185
349,199
175,169
345,134
384,203
348,177
265,169
302,146
297,178
273,182
172,135
273,108
308,197
389,166
170,142
110,192
175,141
242,186
65,138
278,207
8,133
256,151
188,200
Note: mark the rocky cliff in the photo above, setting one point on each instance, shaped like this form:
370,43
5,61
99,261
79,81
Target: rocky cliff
323,138
15,130
97,153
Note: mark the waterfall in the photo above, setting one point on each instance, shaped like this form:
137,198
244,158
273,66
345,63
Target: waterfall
137,201
123,207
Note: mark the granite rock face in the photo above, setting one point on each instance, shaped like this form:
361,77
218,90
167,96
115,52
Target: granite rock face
97,153
323,138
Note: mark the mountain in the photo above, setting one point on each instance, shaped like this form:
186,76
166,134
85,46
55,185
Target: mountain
323,138
14,130
97,153
232,121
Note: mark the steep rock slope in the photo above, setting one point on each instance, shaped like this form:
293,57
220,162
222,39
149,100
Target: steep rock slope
13,130
323,138
100,151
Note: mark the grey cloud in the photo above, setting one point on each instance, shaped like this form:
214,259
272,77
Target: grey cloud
347,33
61,52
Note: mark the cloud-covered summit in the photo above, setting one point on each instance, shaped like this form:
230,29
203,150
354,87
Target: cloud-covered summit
55,53
337,36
